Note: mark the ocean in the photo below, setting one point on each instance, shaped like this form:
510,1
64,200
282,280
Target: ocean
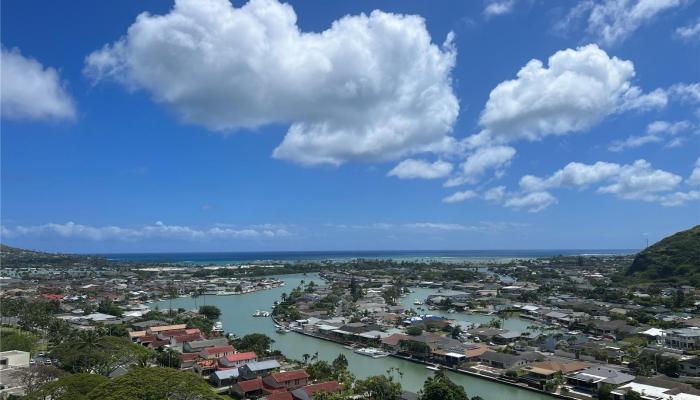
423,255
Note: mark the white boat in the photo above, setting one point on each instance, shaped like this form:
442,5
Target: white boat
259,313
282,330
371,352
218,327
418,302
433,367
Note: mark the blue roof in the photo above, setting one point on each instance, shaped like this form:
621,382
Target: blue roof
263,365
227,373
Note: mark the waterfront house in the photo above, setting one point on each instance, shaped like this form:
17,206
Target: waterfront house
287,380
508,361
591,379
538,377
485,334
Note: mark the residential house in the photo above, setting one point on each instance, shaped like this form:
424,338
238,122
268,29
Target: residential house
508,361
591,379
226,377
255,369
287,380
236,360
216,352
683,339
657,389
308,392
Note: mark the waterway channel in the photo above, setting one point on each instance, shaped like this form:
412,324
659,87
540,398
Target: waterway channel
237,318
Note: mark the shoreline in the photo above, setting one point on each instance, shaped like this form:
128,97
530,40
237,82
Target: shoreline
455,370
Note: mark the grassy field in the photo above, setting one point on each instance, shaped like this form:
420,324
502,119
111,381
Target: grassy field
17,339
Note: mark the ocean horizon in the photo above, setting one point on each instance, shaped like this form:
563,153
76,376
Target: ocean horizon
339,255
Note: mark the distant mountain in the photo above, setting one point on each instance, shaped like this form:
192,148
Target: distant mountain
675,258
12,257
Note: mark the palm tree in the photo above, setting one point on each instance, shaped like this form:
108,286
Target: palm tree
195,294
203,292
172,294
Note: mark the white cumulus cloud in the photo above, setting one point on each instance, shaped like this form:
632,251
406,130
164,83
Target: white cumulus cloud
370,87
31,91
420,169
574,91
480,161
635,181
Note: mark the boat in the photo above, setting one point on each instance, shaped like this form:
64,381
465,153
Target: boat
418,302
218,327
432,367
282,330
371,352
259,313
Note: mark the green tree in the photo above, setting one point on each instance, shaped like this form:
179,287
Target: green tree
211,312
154,384
257,342
414,330
69,387
440,387
378,388
108,307
340,363
320,370
13,340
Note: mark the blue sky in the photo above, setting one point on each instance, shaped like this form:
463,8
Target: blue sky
217,126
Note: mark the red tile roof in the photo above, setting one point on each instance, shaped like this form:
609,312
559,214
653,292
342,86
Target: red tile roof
251,385
173,332
280,396
218,349
186,337
188,356
241,356
331,386
290,375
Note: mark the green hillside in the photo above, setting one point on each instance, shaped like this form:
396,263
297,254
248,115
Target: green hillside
13,257
674,259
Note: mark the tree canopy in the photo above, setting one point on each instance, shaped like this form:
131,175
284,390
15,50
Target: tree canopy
154,384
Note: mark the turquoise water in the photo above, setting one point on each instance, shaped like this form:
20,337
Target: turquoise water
237,318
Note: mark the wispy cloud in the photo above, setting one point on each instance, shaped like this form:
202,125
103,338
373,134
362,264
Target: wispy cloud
158,230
